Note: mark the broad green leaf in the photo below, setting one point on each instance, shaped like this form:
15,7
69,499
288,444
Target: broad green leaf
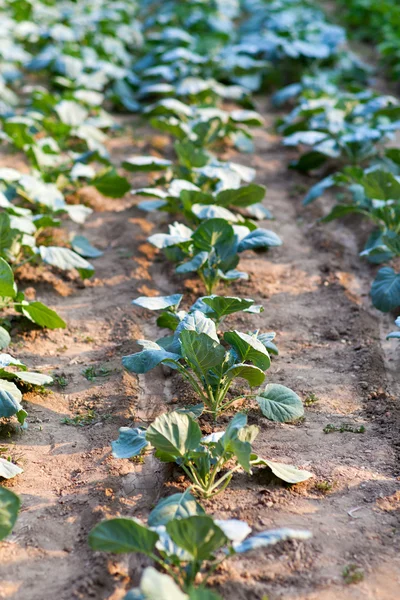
66,259
34,378
8,470
279,403
173,435
243,196
122,535
287,473
42,315
211,233
177,506
381,185
10,399
7,234
222,306
194,264
252,374
7,286
147,359
259,238
130,443
158,302
110,184
201,351
9,508
198,535
81,245
385,290
5,338
249,349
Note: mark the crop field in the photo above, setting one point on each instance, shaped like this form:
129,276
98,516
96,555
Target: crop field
200,300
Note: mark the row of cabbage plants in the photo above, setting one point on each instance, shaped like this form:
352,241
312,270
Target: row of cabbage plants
219,206
179,65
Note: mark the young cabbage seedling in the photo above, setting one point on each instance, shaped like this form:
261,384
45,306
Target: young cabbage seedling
210,366
183,540
213,249
10,297
13,371
176,437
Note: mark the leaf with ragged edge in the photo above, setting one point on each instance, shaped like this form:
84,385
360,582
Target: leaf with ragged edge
201,351
198,535
131,442
279,403
9,508
122,535
66,259
7,286
42,315
177,506
385,290
243,196
252,374
147,359
259,238
287,473
249,349
8,470
173,435
158,302
269,538
81,245
110,184
5,338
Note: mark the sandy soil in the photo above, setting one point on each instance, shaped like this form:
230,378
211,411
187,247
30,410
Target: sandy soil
332,352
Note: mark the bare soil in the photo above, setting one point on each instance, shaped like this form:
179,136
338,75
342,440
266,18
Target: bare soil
332,352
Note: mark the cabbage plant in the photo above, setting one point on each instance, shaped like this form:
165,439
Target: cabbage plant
212,250
185,542
209,462
211,363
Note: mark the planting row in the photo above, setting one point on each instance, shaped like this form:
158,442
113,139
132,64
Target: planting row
378,23
178,65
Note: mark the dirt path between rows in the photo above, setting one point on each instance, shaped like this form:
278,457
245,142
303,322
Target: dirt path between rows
315,292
